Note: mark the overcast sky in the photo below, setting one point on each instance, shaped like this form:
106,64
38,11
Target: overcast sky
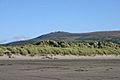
24,19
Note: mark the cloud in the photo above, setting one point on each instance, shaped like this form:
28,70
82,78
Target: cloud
18,38
3,41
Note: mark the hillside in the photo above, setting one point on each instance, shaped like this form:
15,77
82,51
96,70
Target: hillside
107,35
113,36
64,43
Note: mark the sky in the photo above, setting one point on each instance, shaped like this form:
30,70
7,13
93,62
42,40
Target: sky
25,19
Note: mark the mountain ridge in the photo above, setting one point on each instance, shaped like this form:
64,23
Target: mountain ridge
113,36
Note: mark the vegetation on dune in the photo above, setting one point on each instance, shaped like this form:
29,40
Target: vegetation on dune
86,48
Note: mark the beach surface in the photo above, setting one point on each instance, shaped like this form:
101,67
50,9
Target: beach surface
63,69
60,57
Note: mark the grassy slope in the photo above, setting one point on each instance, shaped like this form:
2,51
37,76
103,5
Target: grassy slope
64,48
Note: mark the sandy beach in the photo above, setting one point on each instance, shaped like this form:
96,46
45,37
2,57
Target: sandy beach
80,69
60,67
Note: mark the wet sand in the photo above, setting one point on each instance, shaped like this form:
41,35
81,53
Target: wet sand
82,69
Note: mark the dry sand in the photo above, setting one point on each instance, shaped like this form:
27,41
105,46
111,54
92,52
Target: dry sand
81,69
20,57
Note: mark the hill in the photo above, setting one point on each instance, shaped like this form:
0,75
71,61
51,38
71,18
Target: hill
113,36
64,43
